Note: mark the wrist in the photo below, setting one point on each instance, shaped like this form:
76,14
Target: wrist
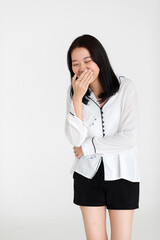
76,99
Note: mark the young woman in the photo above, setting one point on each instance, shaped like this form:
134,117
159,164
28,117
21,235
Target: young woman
102,125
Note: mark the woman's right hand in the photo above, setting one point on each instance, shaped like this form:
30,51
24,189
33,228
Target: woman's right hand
80,86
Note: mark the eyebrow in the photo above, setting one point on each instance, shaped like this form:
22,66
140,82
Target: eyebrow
83,58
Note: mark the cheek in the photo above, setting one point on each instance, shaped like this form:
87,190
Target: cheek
95,72
74,69
95,69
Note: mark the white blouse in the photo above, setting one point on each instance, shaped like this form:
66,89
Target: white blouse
107,133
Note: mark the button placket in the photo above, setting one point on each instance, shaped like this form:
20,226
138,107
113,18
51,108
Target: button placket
102,122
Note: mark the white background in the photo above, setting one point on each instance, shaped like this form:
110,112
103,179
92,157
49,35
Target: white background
36,191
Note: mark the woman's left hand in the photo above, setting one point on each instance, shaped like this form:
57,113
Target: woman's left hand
78,152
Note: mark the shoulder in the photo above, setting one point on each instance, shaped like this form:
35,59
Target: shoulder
127,85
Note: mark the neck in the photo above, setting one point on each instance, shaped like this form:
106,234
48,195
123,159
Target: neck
96,88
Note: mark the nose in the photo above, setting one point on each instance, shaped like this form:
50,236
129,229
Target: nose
82,67
81,70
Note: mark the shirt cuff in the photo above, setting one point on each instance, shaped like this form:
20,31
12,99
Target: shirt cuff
88,146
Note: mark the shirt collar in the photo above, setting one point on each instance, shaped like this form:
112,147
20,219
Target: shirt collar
92,95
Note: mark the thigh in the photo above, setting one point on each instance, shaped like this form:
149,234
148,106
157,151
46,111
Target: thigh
94,219
121,224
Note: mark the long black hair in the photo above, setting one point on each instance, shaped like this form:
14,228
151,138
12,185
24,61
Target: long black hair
107,77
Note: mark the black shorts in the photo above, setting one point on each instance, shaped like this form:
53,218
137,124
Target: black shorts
115,194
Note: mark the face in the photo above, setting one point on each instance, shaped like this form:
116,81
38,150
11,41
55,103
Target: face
81,60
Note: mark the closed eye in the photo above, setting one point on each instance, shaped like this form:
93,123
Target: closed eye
85,62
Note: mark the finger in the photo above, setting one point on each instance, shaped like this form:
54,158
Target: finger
77,152
85,77
87,83
73,79
87,80
82,75
79,156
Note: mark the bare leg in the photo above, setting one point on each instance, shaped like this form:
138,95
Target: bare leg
94,219
121,224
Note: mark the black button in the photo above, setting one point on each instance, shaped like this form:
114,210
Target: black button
102,121
103,130
95,118
92,123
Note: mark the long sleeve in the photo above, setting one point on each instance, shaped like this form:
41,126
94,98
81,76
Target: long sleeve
126,137
75,129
